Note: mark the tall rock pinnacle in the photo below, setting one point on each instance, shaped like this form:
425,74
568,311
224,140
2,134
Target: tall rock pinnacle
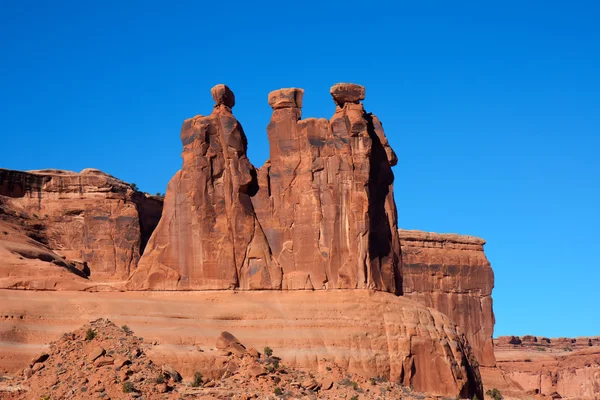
325,200
208,236
321,214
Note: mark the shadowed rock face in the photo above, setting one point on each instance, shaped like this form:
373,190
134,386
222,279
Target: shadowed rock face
452,274
209,237
325,200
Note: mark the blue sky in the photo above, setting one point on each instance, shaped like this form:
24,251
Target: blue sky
494,111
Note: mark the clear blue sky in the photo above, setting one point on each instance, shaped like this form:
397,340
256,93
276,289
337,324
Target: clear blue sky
494,111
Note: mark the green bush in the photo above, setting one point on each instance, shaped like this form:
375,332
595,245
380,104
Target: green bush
268,351
128,387
197,379
278,391
354,385
354,398
90,334
495,394
160,378
126,329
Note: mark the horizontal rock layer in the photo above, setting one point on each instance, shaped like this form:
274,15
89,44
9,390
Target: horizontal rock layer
370,333
566,368
452,274
90,218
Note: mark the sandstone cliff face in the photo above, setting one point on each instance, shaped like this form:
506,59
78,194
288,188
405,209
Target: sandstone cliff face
209,237
89,218
452,274
326,196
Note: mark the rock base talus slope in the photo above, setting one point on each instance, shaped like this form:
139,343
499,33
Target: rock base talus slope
208,236
326,195
452,274
91,219
366,332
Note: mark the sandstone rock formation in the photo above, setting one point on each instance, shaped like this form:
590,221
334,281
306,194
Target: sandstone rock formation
92,220
326,197
561,368
323,218
208,236
368,333
452,274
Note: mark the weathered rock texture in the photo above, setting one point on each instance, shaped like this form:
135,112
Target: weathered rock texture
551,368
326,197
323,218
369,333
208,236
90,218
452,274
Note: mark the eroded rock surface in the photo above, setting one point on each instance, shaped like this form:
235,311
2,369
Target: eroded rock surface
208,236
326,197
367,333
320,214
90,221
557,368
452,274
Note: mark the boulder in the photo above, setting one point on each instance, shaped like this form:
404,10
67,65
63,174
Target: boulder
171,372
95,353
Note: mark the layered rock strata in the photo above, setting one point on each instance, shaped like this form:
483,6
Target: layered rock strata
366,332
91,219
452,274
557,368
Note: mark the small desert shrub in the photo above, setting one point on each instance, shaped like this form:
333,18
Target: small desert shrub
90,334
541,349
134,187
354,385
278,391
354,398
45,397
268,351
128,387
345,382
160,378
126,329
197,379
494,394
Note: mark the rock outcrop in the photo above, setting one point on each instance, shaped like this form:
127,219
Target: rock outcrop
208,236
319,215
452,274
89,220
326,197
558,368
367,333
